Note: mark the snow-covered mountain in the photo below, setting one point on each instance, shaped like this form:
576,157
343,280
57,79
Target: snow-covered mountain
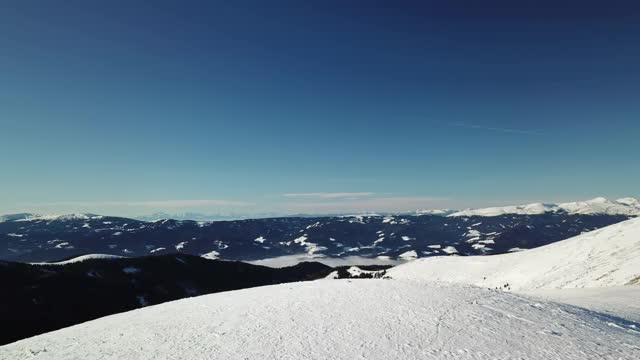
441,212
49,217
425,309
602,258
599,205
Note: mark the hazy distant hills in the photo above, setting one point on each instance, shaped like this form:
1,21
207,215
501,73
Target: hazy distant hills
203,217
625,206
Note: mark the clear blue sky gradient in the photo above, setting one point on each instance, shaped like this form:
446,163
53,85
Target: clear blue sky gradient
118,107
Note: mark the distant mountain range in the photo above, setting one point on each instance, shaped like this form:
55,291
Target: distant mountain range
203,217
599,205
43,238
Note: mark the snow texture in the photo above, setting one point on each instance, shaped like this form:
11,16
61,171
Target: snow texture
82,258
38,217
606,257
356,272
409,255
441,212
213,255
620,301
344,319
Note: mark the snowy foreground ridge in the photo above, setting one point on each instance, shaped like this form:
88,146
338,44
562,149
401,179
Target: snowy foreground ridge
343,319
606,257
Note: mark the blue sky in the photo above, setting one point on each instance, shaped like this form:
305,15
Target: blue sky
124,108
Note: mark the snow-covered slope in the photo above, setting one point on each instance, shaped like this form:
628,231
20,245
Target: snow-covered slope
605,257
82,258
600,205
619,301
344,319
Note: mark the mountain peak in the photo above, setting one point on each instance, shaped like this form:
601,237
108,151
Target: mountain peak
598,205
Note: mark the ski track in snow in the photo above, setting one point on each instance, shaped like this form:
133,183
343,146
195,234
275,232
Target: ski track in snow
345,319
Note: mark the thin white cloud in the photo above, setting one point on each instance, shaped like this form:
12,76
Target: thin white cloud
327,195
499,129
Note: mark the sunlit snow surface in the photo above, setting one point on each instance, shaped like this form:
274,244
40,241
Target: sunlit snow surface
606,257
82,258
620,301
344,319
